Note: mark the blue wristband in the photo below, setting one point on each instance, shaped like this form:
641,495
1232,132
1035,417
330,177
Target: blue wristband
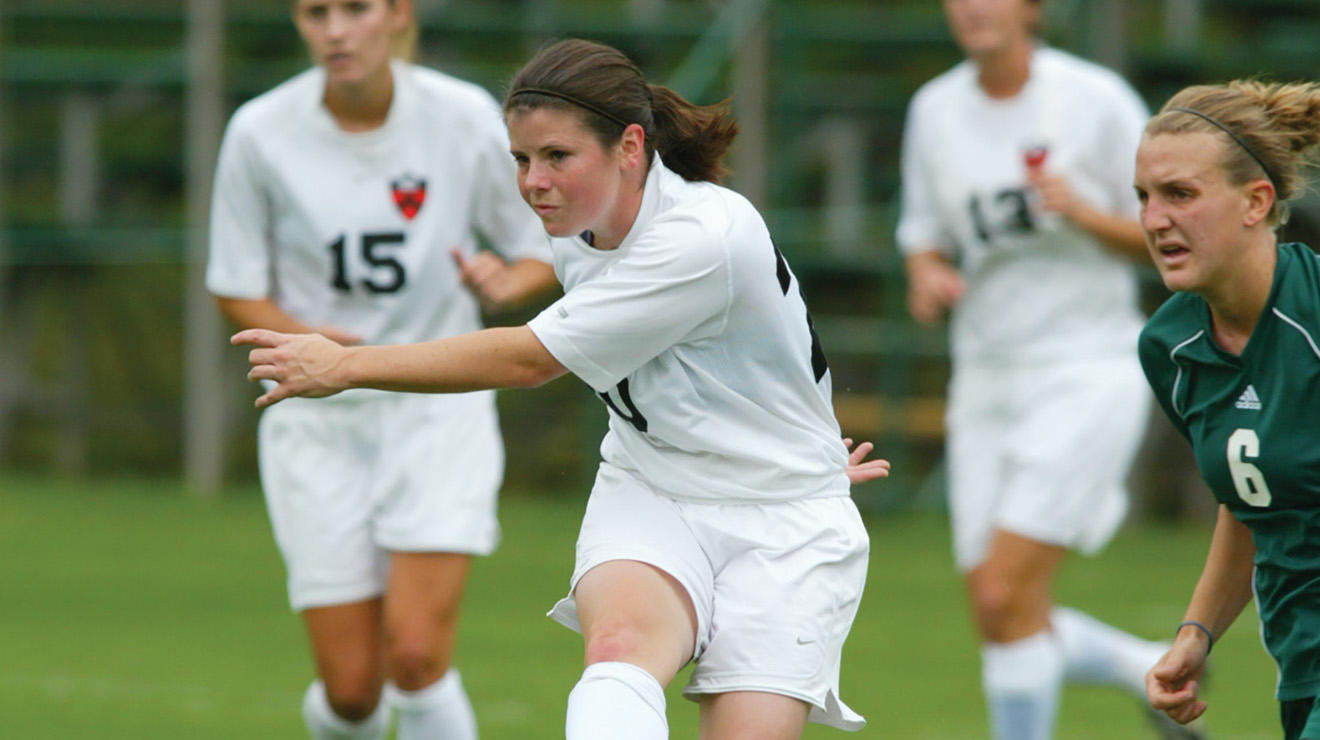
1209,636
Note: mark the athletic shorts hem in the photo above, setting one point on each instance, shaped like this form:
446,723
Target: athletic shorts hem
823,711
471,546
565,610
311,598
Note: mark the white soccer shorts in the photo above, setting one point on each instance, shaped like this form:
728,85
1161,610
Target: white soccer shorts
1042,452
349,481
775,585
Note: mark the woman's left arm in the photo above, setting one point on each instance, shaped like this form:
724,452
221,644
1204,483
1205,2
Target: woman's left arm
311,365
1120,234
501,285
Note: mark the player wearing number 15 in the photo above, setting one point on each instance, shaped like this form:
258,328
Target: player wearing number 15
349,200
1234,360
720,528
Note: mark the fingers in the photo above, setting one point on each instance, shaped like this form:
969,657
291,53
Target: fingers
859,454
275,395
1187,713
259,337
868,471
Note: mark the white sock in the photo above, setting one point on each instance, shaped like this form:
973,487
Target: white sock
1022,681
1094,652
324,724
614,700
440,711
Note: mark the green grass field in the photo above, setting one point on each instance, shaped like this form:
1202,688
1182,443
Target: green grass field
128,610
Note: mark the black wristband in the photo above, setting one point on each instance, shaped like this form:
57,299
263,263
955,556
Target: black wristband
1209,636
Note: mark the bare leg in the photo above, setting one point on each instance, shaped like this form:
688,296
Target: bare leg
1022,662
422,600
752,715
346,643
639,628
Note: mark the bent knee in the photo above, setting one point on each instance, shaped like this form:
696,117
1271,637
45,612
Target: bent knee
614,642
1007,609
353,700
413,666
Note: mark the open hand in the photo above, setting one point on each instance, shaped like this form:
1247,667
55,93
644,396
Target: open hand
861,470
300,364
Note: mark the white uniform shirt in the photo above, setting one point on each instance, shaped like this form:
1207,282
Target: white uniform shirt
1037,288
695,333
354,230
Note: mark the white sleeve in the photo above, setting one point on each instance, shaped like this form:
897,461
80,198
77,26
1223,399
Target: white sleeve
672,286
1127,116
919,225
239,261
501,215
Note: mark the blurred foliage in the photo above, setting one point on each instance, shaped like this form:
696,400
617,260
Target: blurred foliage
91,312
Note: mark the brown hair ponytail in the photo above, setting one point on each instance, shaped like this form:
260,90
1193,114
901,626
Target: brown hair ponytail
1270,129
608,92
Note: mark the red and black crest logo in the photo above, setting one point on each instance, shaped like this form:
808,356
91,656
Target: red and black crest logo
409,193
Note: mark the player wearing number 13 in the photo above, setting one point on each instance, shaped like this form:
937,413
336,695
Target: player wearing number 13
1234,360
720,528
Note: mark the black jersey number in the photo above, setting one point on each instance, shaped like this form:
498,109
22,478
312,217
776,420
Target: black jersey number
1013,208
632,416
376,252
819,365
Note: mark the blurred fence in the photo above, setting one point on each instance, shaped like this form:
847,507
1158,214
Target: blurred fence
99,106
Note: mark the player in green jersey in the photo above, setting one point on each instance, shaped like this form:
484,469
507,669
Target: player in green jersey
1234,359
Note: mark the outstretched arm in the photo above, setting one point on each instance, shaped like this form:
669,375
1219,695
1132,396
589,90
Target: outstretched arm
1222,591
313,366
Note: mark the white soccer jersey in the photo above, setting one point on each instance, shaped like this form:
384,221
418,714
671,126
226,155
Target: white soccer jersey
354,230
1037,288
695,333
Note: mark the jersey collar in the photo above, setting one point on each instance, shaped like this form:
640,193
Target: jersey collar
657,179
1208,350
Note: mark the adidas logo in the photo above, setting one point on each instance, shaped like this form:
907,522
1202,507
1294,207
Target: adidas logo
1249,400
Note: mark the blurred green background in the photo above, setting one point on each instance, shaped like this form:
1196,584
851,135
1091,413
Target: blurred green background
131,609
112,360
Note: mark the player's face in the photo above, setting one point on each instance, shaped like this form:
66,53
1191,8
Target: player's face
349,38
566,176
984,27
1193,217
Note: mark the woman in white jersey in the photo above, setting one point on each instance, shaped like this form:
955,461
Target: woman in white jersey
720,527
347,200
1018,215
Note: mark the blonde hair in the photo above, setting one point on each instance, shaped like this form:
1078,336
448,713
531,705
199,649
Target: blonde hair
1269,129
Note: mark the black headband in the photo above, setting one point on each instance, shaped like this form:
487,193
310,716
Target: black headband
1269,174
569,98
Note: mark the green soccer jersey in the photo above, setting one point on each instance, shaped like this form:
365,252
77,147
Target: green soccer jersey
1254,424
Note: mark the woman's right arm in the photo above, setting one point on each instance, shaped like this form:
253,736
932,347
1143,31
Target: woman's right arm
1220,595
934,285
310,365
